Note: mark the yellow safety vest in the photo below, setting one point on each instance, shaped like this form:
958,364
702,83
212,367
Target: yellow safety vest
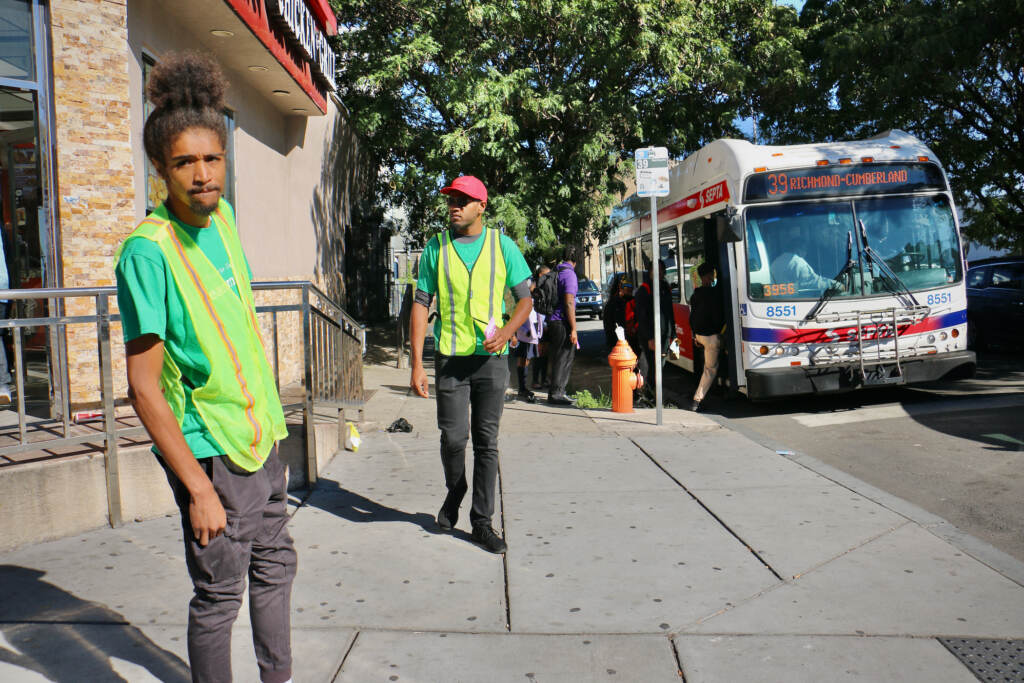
239,402
468,299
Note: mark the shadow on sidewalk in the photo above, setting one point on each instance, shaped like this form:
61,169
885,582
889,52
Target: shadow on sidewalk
65,638
330,497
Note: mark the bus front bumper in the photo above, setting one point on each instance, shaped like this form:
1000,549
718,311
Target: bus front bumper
809,379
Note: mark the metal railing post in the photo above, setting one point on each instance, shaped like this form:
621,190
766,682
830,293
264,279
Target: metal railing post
309,418
110,462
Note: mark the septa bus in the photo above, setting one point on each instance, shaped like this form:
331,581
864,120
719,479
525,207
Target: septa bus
839,264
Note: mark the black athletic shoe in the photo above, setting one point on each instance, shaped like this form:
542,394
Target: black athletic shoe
485,537
696,407
527,395
561,401
446,519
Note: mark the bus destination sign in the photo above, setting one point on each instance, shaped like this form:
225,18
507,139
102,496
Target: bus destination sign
839,181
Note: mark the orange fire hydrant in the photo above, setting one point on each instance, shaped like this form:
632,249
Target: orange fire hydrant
625,378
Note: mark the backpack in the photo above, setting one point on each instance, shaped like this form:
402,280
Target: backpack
632,324
545,294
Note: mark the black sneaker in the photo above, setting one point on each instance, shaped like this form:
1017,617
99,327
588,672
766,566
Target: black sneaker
696,407
446,519
485,537
527,395
561,401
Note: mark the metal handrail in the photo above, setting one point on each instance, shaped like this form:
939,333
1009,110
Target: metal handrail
333,345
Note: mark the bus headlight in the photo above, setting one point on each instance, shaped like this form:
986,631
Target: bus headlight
955,332
931,338
943,336
763,350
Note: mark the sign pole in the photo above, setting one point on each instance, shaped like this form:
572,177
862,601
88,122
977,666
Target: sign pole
652,180
656,285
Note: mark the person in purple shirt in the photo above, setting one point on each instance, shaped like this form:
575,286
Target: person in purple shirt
560,333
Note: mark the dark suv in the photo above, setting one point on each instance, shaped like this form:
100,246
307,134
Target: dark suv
995,303
589,299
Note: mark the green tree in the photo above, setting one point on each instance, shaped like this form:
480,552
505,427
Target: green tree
545,100
947,71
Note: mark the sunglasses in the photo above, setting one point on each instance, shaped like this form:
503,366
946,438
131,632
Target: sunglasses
460,201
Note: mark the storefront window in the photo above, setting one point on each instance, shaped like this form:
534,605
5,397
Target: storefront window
17,56
156,191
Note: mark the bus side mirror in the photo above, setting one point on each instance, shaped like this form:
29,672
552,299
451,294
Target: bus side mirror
729,225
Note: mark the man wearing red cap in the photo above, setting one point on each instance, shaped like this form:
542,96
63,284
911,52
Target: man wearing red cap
468,268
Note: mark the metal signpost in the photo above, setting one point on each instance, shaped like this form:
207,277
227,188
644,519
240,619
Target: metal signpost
652,181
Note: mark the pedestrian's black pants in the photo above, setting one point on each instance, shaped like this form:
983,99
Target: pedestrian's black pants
255,544
470,399
562,353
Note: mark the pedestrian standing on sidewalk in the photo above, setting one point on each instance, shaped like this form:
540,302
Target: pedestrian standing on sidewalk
560,333
199,380
540,364
707,318
524,348
468,268
650,366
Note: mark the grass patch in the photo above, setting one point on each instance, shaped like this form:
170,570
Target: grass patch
584,399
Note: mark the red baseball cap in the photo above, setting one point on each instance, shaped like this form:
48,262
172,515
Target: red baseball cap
469,186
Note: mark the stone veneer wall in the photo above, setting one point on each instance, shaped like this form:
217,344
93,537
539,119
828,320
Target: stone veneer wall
95,174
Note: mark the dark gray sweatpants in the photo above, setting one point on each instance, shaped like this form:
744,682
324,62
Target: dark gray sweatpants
256,543
471,393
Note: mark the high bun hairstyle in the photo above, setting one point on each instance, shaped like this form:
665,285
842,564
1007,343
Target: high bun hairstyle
187,91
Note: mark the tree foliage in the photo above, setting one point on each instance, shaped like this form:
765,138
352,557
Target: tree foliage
949,71
545,100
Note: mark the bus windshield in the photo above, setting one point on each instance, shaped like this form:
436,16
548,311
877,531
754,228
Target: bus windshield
800,250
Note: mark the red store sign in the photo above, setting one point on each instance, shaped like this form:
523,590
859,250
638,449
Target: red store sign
295,33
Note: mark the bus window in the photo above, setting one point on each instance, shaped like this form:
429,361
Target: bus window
803,246
691,252
916,237
669,251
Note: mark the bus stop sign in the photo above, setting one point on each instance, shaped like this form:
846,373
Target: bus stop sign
651,171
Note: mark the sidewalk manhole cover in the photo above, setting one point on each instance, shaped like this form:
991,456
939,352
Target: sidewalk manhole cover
990,659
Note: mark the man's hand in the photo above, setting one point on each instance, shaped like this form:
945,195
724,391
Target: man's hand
418,382
573,339
496,344
207,516
650,344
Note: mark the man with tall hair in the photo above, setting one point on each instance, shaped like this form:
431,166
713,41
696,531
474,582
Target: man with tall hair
199,380
560,333
468,268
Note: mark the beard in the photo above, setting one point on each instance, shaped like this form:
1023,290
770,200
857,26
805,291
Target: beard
204,208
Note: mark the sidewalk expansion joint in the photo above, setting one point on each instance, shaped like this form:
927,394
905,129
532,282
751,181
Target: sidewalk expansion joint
504,556
344,657
679,661
709,511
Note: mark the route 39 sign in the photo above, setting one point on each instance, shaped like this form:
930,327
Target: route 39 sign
651,171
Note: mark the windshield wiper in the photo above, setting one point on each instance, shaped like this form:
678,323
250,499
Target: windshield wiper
832,289
895,283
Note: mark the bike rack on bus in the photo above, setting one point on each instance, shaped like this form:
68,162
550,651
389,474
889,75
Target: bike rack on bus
897,317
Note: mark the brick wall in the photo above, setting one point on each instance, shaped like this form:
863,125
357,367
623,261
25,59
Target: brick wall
95,174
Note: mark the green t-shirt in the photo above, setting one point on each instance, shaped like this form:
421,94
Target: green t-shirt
516,271
150,304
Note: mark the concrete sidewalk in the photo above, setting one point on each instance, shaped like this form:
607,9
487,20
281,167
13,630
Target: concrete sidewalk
636,553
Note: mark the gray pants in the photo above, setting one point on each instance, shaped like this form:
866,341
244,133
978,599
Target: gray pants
562,353
254,543
478,382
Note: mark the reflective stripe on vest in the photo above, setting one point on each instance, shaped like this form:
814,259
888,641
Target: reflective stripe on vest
460,302
239,402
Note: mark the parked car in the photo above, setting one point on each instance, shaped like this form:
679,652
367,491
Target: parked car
589,299
995,303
